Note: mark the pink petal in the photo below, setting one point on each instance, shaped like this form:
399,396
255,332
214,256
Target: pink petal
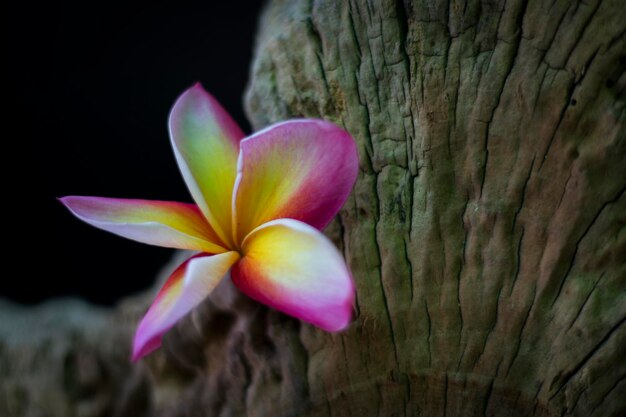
161,223
188,285
206,144
294,268
300,169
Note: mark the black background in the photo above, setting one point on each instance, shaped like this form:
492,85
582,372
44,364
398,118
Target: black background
89,89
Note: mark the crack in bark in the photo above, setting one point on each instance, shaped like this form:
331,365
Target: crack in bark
501,90
584,234
491,328
582,306
518,262
408,260
429,332
521,332
570,374
586,26
564,109
489,391
569,177
607,394
460,272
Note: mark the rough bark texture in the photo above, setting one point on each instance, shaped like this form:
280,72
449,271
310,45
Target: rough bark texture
67,358
487,229
486,232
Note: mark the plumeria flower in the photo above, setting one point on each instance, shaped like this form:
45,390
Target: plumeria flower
261,202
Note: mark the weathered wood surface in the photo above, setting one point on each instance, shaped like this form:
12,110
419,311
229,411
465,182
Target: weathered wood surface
486,232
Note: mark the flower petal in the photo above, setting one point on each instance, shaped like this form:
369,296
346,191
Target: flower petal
188,285
294,268
206,143
300,169
161,223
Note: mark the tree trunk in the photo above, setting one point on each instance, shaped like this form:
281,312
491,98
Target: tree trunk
486,232
487,229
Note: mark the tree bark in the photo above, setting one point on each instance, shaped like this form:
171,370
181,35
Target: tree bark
486,232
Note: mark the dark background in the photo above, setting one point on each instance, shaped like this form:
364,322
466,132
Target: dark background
89,89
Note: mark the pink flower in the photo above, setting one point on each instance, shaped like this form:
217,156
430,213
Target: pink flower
261,201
